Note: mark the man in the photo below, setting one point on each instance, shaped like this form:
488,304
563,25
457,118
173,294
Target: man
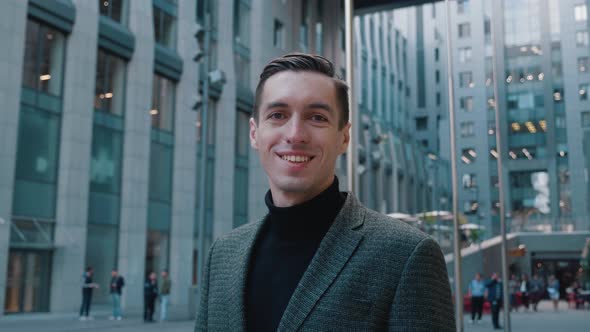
117,283
494,290
537,290
164,295
476,292
319,260
150,294
87,287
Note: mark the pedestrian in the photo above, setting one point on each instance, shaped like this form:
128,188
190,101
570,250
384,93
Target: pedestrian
164,295
494,295
304,265
476,292
537,290
513,287
553,290
525,288
117,283
150,294
87,287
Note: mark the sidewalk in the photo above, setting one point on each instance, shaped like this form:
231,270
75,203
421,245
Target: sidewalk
100,322
544,320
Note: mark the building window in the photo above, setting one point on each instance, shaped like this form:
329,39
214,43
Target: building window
242,22
304,26
586,119
422,123
241,169
436,54
469,180
583,64
466,79
162,111
582,38
464,30
580,13
462,6
464,54
470,207
468,155
113,9
319,29
466,104
438,99
584,91
43,61
164,28
466,129
437,76
110,83
279,35
491,127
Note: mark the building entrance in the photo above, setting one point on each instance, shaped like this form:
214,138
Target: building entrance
28,281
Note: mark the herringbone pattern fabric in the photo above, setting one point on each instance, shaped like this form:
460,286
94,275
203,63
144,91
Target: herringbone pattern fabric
370,273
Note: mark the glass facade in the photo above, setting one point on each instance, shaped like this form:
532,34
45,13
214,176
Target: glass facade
44,57
113,9
110,83
162,111
242,142
39,123
164,28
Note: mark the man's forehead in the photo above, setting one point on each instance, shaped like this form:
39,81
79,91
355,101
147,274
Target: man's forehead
300,84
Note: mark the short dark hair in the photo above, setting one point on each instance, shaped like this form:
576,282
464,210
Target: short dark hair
304,62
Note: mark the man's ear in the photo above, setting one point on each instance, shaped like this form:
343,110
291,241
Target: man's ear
346,137
253,132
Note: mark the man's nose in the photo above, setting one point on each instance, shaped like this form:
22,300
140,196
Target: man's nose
296,131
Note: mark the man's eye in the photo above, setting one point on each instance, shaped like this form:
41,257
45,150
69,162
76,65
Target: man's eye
318,117
276,116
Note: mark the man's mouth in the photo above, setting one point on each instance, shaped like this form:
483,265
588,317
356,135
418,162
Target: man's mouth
296,159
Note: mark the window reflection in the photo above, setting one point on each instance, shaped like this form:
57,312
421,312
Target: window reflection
43,61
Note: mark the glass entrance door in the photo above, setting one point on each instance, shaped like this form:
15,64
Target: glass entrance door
27,284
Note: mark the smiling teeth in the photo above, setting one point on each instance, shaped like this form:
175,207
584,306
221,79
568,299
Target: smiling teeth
296,159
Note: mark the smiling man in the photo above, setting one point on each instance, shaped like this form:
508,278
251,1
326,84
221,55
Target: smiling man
319,260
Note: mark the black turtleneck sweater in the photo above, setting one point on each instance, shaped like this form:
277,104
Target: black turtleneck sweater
283,250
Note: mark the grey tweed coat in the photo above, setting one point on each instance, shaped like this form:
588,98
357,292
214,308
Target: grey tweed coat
370,272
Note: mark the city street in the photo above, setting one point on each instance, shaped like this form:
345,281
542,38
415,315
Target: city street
544,320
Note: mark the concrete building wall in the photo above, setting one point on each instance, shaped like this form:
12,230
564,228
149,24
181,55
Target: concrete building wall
185,162
136,151
12,33
74,159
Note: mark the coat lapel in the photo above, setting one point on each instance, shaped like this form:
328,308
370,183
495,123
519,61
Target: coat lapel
237,280
334,251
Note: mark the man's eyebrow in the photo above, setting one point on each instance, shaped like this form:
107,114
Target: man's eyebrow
321,106
276,104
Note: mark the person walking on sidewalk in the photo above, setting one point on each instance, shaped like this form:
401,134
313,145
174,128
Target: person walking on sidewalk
537,290
117,283
164,296
495,296
553,290
476,291
150,294
87,287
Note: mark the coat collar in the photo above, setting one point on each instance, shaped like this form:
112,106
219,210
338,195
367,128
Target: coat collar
334,251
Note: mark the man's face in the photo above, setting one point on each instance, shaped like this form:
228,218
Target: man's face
297,135
114,273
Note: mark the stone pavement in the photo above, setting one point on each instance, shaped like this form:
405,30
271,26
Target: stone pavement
565,320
